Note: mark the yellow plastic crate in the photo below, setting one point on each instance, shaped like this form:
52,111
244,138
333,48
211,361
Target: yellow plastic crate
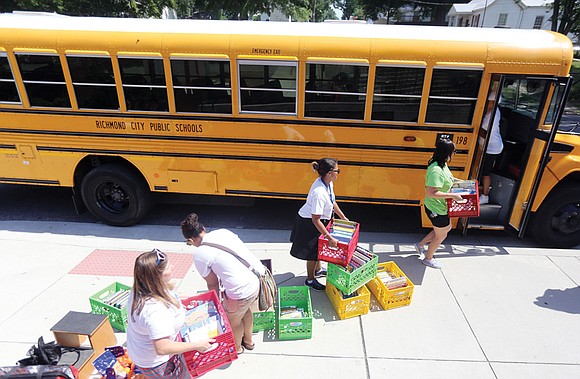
394,298
351,307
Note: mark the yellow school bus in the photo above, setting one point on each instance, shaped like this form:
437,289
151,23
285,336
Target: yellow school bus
117,109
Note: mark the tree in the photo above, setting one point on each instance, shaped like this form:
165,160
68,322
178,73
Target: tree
113,8
350,9
567,12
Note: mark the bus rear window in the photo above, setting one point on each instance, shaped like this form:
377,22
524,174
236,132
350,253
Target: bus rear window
44,80
453,95
144,84
8,91
336,91
202,86
397,94
94,82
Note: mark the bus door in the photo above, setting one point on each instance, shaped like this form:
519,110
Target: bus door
546,109
528,125
481,145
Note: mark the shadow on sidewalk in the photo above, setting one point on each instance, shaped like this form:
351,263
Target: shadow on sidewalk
565,300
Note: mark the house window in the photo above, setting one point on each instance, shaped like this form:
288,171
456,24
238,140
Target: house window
502,19
538,22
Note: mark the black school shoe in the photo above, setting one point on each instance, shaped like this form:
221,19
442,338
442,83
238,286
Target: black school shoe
315,285
320,273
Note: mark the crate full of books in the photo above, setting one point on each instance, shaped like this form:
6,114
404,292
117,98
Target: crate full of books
469,206
349,305
112,301
264,321
346,232
206,318
391,287
361,268
294,313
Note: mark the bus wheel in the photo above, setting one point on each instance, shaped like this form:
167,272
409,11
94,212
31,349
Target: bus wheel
116,195
557,222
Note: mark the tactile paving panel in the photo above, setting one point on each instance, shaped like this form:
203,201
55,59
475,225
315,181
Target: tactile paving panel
121,263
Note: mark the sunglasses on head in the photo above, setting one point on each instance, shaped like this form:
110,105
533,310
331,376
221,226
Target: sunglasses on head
160,256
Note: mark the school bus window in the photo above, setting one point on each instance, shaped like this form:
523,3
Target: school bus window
556,99
8,90
202,86
144,84
268,87
397,94
93,82
335,91
453,95
44,80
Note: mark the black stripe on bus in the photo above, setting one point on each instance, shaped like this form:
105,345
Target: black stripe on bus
29,181
229,157
301,196
230,140
7,146
178,117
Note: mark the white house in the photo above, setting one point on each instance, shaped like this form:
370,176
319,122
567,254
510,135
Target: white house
515,14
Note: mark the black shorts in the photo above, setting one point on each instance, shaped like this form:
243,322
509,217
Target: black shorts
488,163
439,221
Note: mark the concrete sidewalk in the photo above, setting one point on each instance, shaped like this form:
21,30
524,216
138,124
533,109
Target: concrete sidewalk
497,310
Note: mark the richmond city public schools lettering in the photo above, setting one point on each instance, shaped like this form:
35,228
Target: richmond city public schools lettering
151,126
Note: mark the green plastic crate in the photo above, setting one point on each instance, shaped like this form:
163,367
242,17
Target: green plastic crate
264,321
348,282
117,316
294,328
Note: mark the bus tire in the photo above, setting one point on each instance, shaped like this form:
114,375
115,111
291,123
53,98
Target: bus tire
557,222
116,195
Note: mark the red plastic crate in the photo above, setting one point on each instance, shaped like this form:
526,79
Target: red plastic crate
200,363
342,254
469,208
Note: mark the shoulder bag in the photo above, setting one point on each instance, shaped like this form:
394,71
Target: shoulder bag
268,288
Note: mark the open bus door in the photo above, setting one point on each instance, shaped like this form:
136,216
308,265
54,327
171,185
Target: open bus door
547,123
529,123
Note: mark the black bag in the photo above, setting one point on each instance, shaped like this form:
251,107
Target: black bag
46,354
42,354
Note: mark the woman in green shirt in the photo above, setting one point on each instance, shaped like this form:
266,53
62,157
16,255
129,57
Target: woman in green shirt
438,183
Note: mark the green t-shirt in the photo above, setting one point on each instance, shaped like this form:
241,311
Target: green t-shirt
442,179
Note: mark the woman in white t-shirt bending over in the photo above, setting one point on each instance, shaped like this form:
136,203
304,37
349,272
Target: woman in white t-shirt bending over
155,317
312,219
215,262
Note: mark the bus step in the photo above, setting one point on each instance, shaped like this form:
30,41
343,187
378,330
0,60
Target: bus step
473,225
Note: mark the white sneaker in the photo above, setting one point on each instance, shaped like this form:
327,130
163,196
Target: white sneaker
483,199
431,263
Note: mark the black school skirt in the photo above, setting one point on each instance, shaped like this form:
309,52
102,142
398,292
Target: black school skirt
304,239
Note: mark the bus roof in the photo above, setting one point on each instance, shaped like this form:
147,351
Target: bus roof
45,21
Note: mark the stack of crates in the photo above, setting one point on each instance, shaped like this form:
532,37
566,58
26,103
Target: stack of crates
345,286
